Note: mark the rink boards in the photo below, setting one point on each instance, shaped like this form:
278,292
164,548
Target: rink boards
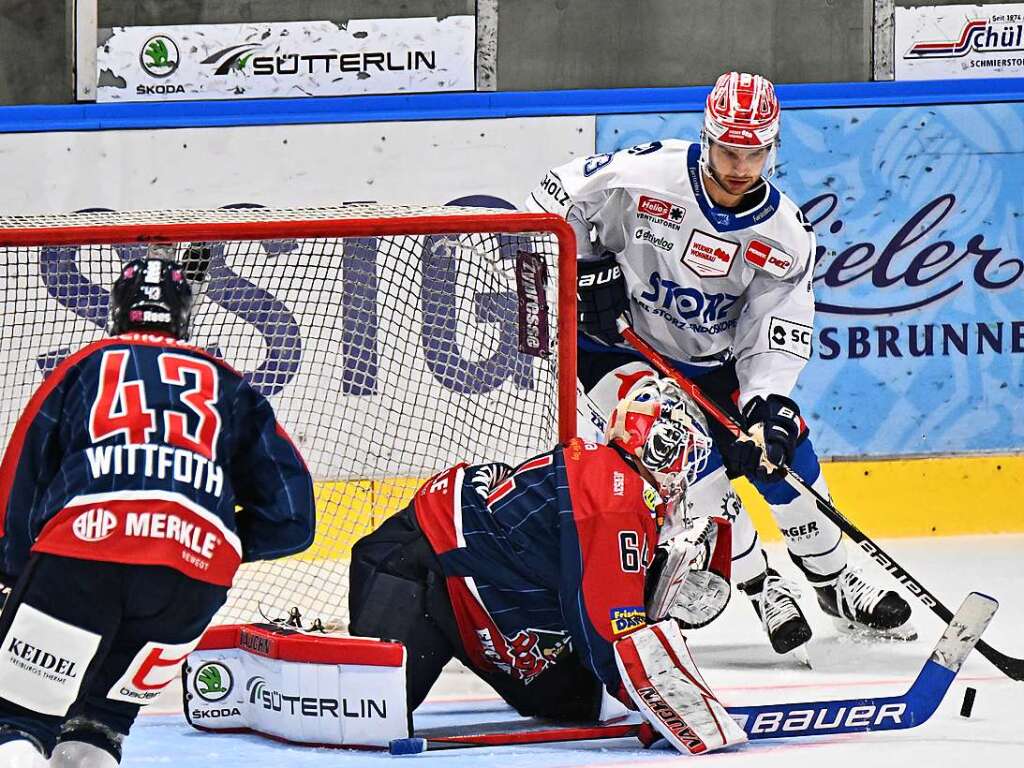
892,498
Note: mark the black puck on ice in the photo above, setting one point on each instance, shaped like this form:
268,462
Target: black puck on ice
968,704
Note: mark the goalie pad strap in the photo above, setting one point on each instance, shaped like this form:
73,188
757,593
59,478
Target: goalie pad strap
663,681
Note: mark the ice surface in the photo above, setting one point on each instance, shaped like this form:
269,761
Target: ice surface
738,663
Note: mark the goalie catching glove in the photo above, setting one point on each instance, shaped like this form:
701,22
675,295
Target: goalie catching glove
688,579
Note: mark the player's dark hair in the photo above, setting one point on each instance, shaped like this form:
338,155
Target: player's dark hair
151,294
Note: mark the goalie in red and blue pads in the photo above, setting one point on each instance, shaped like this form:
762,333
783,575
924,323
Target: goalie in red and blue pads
563,577
141,474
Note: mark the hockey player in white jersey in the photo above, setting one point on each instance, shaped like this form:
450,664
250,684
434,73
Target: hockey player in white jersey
714,266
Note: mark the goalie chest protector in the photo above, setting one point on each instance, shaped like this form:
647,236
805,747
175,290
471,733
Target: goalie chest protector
308,689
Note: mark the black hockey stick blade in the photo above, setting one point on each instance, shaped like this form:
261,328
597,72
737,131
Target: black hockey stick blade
1010,666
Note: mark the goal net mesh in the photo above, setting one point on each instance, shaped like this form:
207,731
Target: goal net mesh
387,356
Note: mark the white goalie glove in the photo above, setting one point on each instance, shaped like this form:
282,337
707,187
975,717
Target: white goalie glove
689,577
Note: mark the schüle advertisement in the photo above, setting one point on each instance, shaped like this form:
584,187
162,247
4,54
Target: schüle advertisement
293,59
959,41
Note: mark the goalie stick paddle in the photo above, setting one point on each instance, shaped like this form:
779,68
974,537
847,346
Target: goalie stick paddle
1008,665
768,721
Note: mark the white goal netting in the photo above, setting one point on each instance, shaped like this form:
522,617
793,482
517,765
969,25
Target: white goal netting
387,354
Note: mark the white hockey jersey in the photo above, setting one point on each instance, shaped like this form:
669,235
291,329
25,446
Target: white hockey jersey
703,281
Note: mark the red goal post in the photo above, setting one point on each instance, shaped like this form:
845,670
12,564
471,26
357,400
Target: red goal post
391,340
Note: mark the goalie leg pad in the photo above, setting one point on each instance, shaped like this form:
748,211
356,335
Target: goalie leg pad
661,678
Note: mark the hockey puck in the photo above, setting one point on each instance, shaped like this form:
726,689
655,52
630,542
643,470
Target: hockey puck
968,704
410,746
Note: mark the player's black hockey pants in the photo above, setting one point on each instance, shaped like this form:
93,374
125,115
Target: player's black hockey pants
397,592
89,642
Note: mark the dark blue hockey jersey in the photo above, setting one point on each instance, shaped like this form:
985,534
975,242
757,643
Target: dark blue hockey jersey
144,449
554,558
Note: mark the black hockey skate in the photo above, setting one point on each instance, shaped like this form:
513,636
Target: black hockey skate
860,608
775,601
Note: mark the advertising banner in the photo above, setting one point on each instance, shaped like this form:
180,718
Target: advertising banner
919,334
287,166
958,41
304,58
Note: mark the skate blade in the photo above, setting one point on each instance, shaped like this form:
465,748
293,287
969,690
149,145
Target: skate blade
862,633
801,655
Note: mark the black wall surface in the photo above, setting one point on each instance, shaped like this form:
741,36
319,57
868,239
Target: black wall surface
542,44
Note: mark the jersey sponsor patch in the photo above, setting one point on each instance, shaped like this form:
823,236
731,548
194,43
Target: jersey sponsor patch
787,336
152,670
660,212
627,618
43,661
644,235
771,260
709,256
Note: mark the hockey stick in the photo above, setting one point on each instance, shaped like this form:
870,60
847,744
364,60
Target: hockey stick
770,721
1008,665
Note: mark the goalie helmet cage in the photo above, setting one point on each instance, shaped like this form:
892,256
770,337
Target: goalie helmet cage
392,341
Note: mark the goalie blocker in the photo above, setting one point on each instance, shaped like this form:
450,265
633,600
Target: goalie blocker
292,686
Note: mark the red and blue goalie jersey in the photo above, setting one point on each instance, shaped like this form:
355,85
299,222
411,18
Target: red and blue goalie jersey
553,559
138,449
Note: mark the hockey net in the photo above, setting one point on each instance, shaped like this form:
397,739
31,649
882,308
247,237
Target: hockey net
392,342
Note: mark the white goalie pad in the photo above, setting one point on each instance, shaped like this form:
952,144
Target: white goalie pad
664,683
303,688
691,573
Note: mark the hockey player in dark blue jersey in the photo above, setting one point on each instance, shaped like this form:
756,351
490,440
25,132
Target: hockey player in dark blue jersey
141,474
563,578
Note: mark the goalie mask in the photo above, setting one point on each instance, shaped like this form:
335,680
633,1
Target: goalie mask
741,113
151,294
659,425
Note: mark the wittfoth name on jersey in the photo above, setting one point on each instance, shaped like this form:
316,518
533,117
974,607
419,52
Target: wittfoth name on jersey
660,212
158,461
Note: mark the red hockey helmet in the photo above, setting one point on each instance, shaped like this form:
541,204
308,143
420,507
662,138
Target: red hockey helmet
742,111
664,429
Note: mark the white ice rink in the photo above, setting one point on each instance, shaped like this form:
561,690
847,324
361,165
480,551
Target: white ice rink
737,663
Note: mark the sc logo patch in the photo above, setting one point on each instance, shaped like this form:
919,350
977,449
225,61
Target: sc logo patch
787,336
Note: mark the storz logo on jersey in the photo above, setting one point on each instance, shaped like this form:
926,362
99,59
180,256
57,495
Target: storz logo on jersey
660,212
771,260
688,303
787,336
709,256
94,524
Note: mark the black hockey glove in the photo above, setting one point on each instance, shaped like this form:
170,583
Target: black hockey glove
600,298
774,426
